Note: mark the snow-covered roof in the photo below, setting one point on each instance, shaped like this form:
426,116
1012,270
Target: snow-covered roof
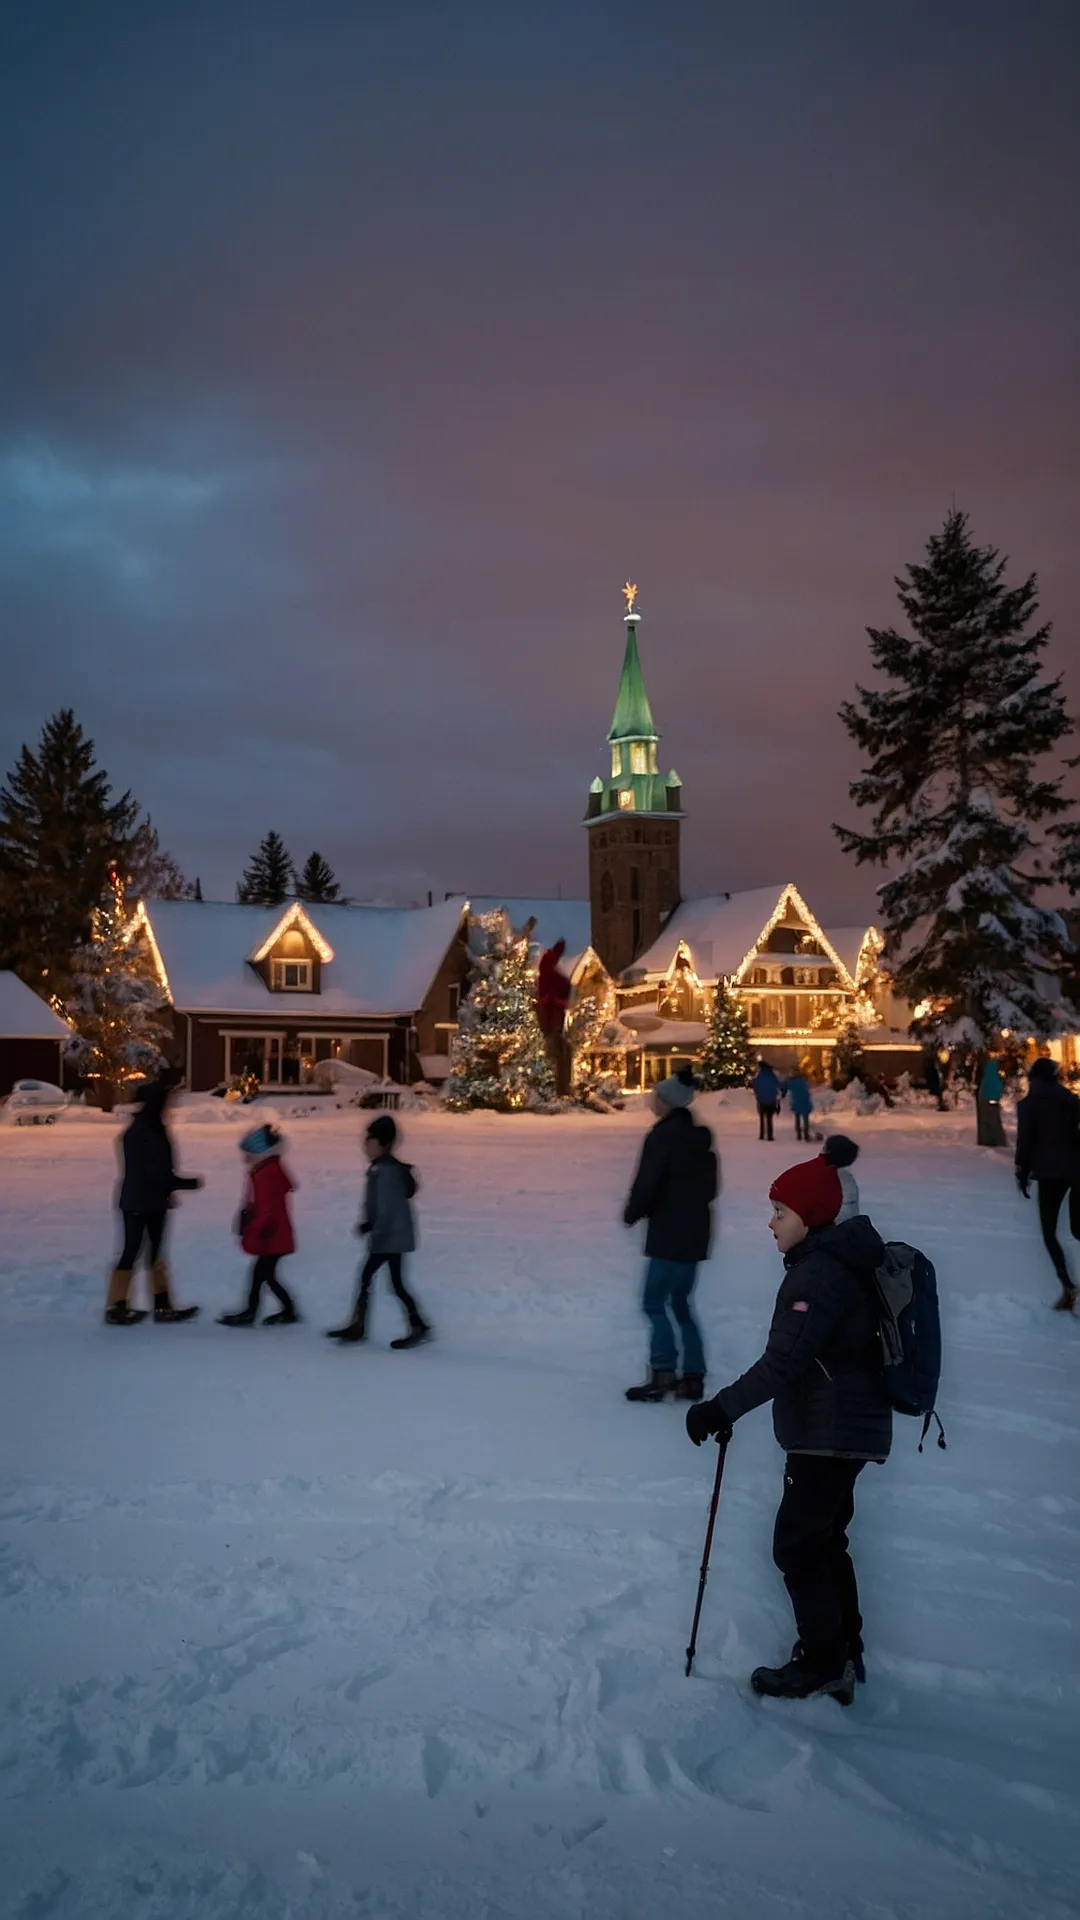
848,942
718,932
384,958
24,1015
721,933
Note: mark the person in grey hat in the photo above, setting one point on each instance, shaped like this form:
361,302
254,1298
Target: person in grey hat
676,1182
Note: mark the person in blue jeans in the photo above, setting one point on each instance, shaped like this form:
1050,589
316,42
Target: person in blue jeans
676,1182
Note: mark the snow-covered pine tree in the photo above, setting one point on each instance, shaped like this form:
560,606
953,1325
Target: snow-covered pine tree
498,1057
1066,834
115,1003
267,879
591,1082
150,872
727,1059
317,881
60,830
952,746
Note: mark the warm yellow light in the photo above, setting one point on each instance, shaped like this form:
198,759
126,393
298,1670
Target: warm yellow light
629,595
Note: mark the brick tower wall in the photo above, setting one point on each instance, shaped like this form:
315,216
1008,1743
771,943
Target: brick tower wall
634,883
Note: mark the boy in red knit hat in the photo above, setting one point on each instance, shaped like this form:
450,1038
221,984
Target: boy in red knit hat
822,1370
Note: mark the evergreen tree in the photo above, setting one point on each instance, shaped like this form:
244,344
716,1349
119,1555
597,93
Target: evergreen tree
60,831
150,873
727,1059
848,1053
268,877
1066,834
317,880
498,1058
952,785
115,1003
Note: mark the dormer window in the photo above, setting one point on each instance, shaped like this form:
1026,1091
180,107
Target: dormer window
290,976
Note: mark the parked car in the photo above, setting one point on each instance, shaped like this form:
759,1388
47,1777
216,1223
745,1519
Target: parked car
35,1103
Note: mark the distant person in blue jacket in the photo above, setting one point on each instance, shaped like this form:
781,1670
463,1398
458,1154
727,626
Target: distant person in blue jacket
767,1092
798,1092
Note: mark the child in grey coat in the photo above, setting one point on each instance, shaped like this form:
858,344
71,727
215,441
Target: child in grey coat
387,1220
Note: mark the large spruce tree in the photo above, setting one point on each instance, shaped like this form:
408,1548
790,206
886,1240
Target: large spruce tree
267,879
727,1059
498,1058
61,829
317,881
952,784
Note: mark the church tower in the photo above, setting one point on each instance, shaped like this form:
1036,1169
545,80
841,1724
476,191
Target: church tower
633,823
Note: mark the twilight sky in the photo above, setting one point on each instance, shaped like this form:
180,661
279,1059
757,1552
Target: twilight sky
352,356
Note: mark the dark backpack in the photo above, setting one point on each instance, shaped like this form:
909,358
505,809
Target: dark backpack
906,1287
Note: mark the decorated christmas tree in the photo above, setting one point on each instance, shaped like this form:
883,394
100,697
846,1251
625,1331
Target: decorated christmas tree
115,1002
595,1045
498,1058
727,1059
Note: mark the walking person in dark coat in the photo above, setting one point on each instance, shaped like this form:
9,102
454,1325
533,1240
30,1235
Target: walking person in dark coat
801,1101
767,1093
822,1370
1048,1152
676,1182
147,1186
389,1222
934,1084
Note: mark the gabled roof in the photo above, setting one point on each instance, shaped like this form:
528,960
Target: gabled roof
721,933
633,718
24,1015
384,958
850,942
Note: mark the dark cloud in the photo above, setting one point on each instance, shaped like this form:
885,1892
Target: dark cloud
357,354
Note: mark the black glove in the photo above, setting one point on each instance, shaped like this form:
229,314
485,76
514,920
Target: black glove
707,1418
1023,1181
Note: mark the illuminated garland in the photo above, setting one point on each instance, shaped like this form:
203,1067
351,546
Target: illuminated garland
498,1058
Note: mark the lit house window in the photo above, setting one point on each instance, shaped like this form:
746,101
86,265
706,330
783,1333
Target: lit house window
626,796
290,976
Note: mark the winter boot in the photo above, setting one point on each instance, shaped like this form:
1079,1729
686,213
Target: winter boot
163,1306
245,1318
1066,1301
855,1655
417,1334
354,1329
660,1383
117,1311
801,1679
690,1386
286,1317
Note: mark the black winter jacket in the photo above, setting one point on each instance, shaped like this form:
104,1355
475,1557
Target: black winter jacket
676,1182
149,1177
822,1366
388,1215
1048,1132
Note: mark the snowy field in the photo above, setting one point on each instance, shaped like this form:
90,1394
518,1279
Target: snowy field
289,1632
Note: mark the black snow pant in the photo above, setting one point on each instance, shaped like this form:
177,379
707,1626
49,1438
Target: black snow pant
137,1228
264,1274
370,1268
810,1547
802,1126
1051,1195
765,1115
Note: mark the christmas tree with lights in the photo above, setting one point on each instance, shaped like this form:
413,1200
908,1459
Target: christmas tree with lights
727,1059
499,1059
116,1002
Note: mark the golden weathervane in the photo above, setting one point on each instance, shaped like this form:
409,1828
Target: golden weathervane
630,595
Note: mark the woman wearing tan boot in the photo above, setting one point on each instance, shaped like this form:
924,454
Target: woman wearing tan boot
146,1194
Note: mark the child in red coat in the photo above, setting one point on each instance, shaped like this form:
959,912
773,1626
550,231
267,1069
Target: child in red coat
265,1228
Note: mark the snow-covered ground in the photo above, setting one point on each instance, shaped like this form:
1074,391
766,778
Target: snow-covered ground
291,1631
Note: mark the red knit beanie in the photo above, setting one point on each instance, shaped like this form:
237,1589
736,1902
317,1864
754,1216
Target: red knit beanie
812,1190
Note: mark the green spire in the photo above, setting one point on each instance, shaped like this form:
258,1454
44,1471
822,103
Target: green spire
633,715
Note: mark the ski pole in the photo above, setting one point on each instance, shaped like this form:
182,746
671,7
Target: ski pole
692,1648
